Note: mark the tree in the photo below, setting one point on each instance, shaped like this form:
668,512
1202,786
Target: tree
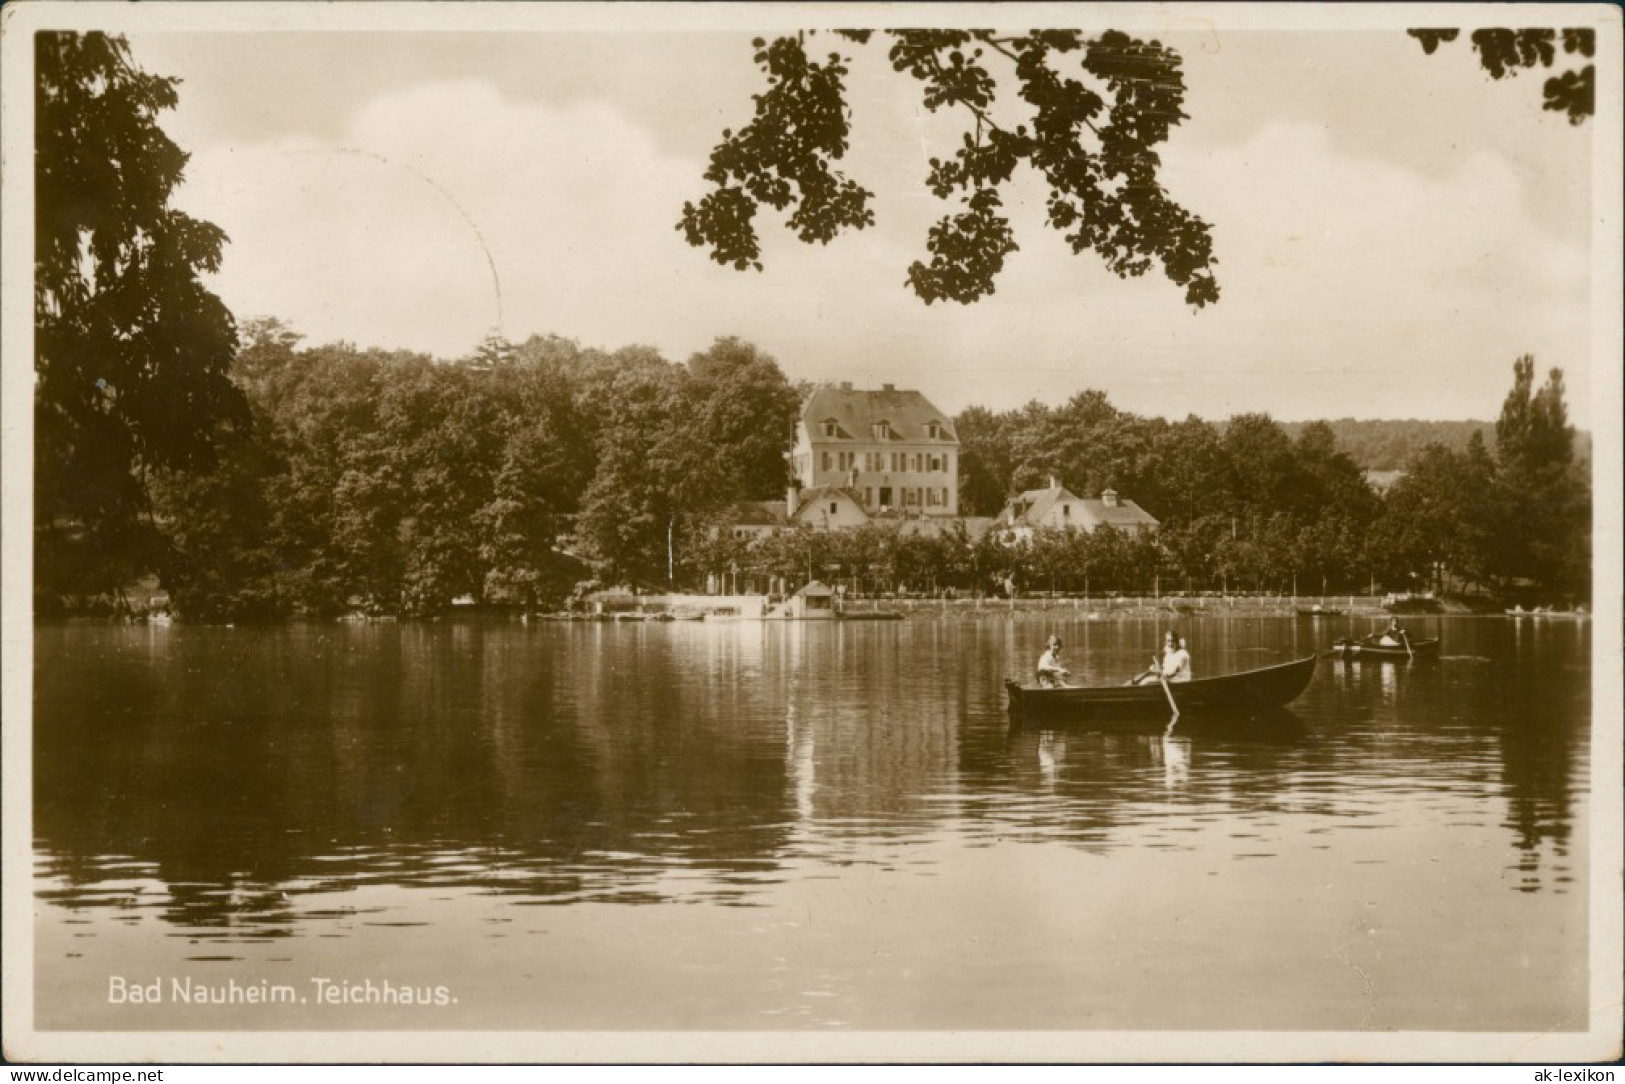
132,352
746,410
221,559
438,439
1087,444
984,461
1504,52
1328,484
493,353
1177,480
1541,488
545,464
1092,140
1258,465
656,477
1520,519
1436,516
218,561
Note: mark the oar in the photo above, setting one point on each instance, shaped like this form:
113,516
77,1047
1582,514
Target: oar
1405,638
1164,679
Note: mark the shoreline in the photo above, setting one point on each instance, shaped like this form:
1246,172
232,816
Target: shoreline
662,610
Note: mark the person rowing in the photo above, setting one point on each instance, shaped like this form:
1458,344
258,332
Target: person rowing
1181,662
1175,664
1393,635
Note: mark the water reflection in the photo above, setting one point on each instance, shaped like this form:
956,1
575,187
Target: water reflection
233,783
1176,761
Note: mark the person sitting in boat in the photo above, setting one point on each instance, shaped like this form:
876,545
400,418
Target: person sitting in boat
1393,635
1051,674
1176,665
1158,668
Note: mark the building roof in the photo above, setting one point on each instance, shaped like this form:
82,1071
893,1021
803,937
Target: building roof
815,494
1124,513
757,514
855,411
1032,507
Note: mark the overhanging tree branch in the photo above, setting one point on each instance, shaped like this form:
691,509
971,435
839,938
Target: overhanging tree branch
1104,197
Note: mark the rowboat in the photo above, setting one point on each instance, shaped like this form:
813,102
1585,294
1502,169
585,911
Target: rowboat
1249,692
1357,649
1579,613
1319,611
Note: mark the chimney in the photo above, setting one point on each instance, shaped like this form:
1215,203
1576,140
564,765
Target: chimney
888,387
1108,497
1054,483
846,385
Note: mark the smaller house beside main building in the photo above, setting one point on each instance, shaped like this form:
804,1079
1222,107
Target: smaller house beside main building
1057,506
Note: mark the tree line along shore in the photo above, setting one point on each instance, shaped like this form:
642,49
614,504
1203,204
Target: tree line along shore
526,475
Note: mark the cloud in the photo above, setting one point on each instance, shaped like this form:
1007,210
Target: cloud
1419,289
1350,285
442,210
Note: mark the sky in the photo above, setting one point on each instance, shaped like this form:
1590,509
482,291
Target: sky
1393,230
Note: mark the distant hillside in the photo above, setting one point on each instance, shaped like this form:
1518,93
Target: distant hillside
1389,444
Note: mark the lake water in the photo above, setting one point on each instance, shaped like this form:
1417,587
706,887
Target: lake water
802,826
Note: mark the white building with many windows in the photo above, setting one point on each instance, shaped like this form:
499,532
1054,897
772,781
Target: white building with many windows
892,451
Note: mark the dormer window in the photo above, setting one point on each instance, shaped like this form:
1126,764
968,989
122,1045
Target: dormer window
831,429
933,430
882,430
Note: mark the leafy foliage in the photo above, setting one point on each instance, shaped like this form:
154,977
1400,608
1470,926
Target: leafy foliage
747,411
783,159
1091,139
984,461
1542,488
1504,52
132,352
1519,520
391,484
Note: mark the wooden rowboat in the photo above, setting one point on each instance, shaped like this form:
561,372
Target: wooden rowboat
1357,649
1246,693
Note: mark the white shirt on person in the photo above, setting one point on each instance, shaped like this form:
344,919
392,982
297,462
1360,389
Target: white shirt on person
1176,665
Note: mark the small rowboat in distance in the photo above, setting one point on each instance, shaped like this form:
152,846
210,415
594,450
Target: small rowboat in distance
1579,613
1247,693
1318,611
1350,650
